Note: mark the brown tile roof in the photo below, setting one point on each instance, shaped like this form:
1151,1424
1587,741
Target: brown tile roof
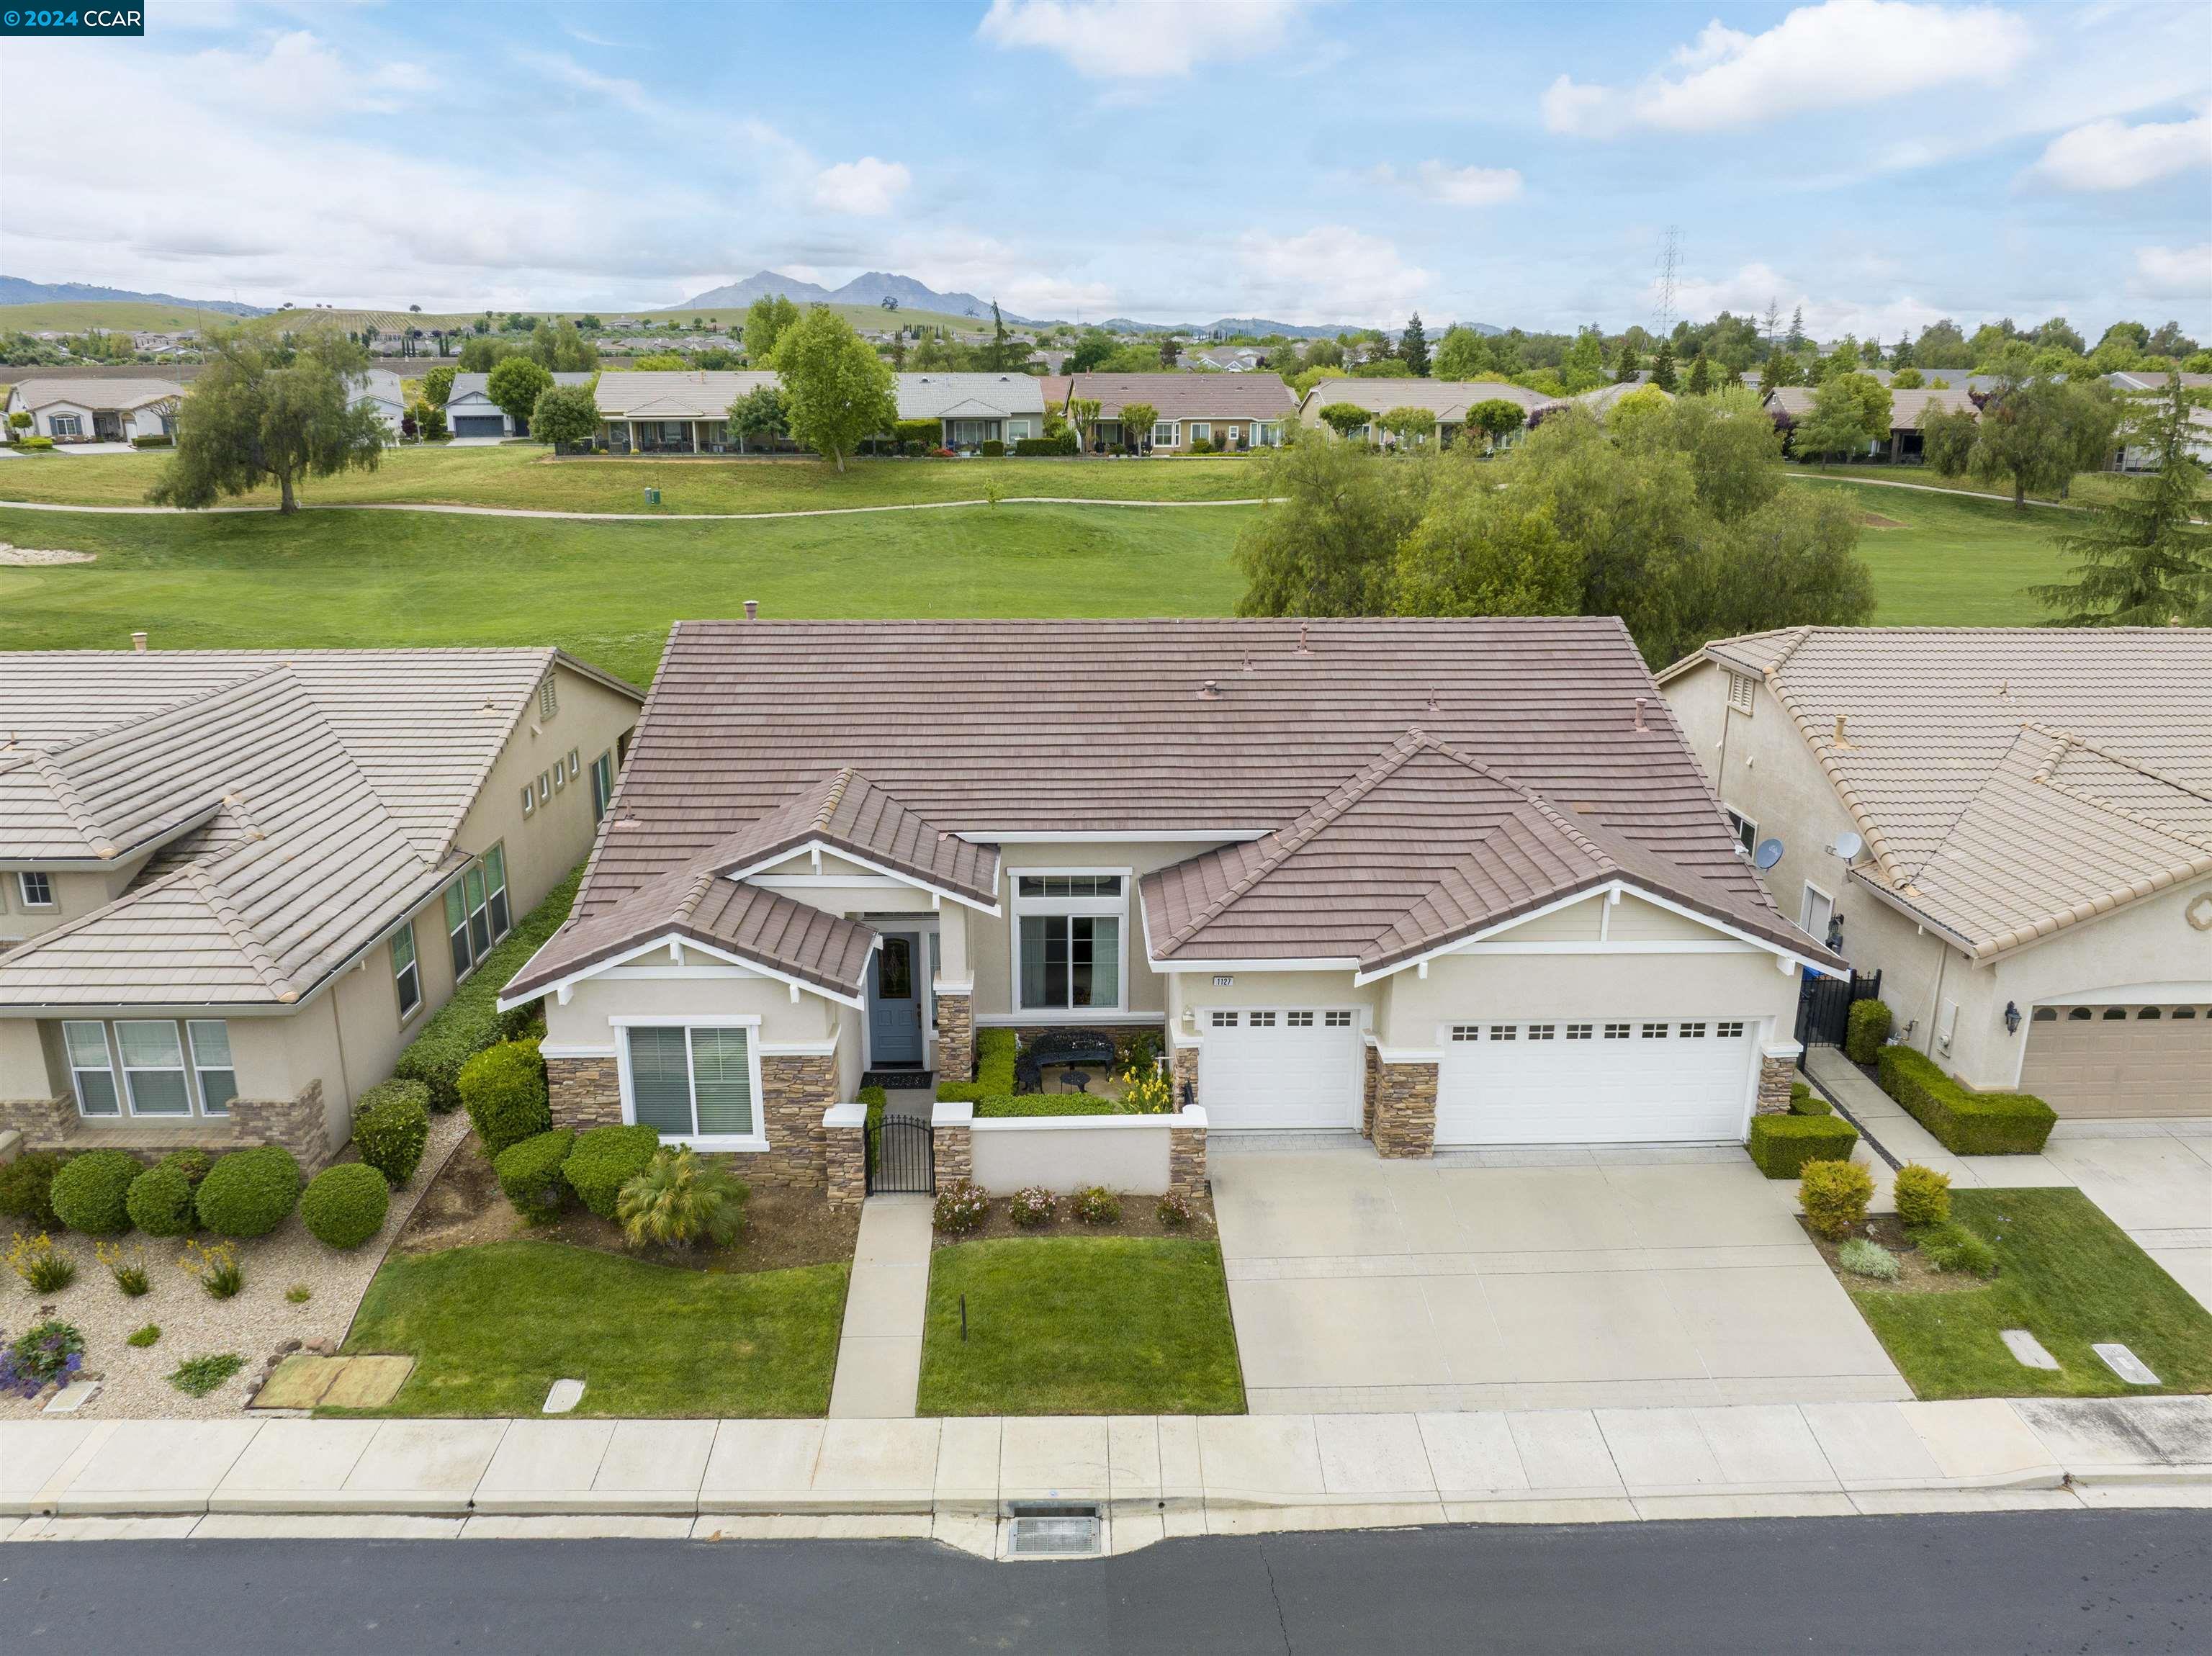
849,813
2009,781
1448,399
984,728
1190,395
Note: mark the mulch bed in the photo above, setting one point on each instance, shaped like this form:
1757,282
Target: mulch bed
1138,1219
466,1207
1915,1274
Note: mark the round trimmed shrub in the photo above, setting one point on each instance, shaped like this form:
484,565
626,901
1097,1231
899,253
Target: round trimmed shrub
344,1205
503,1089
92,1191
606,1159
1923,1195
248,1192
530,1174
391,1128
193,1164
161,1201
1835,1195
27,1190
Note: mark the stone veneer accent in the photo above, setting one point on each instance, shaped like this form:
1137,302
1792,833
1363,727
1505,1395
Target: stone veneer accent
297,1124
1184,1068
952,1155
1775,1077
583,1092
42,1121
956,1038
1370,1084
796,1087
1187,1161
1405,1123
845,1165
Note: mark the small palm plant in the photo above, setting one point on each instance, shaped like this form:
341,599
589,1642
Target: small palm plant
679,1198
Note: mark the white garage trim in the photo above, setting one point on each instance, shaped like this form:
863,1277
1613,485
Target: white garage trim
2135,994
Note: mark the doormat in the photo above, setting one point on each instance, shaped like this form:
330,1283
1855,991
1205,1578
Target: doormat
897,1080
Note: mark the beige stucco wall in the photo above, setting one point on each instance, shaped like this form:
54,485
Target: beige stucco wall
1598,986
655,986
76,892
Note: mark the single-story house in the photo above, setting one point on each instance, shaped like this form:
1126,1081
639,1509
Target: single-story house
1908,412
469,411
2012,825
2138,380
680,411
380,389
234,883
1438,881
97,409
1227,358
975,409
1447,399
1233,412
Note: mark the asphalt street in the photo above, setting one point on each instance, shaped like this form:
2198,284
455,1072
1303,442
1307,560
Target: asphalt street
2011,1585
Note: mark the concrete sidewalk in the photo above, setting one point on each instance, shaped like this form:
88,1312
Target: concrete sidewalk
1152,1477
879,1351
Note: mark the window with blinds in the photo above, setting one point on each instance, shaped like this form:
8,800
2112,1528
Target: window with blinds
692,1082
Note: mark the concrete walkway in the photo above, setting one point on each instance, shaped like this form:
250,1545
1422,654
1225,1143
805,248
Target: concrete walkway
620,517
880,1352
1152,1477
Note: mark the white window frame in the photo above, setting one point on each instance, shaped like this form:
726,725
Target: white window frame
1201,431
603,784
402,974
65,425
1117,908
687,1021
1746,829
200,1071
529,799
182,1069
112,1070
1167,433
1805,912
45,884
1742,692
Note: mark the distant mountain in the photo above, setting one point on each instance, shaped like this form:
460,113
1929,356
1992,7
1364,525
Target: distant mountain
870,288
13,290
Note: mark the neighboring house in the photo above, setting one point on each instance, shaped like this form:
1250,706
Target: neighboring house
1228,359
2035,805
1447,399
2146,379
975,409
1441,881
671,411
2148,384
234,883
469,411
380,389
1908,412
98,410
1233,412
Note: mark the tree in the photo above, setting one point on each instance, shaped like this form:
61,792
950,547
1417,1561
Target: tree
1663,366
1795,340
660,363
1137,420
1630,364
1460,354
1329,543
429,421
1850,411
2133,334
483,356
249,418
1413,348
1941,345
1480,551
1907,379
1170,350
1781,369
438,385
2141,560
559,348
759,412
1344,418
1947,438
836,390
2057,335
2170,340
1497,420
515,385
1583,367
565,415
1003,355
1700,381
1410,425
2036,432
1084,411
1090,351
767,319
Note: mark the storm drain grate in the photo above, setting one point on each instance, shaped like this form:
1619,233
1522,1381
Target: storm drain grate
1054,1531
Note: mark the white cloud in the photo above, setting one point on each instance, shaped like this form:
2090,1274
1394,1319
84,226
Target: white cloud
867,187
1829,55
2174,272
1828,316
564,70
1140,39
2110,155
1330,274
1464,186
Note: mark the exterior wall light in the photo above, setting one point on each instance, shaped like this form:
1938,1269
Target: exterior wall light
2012,1017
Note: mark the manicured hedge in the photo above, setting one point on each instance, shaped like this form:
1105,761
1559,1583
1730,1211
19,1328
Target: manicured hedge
1963,1123
995,1070
875,1100
1867,1026
1803,1101
530,1173
1028,1104
604,1160
27,1190
343,1206
503,1089
92,1191
161,1201
470,1021
392,1126
1781,1145
1066,443
249,1192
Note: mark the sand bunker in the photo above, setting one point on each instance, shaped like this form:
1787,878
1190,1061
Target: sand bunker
28,554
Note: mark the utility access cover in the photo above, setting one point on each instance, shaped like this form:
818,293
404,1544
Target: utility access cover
2124,1363
1053,1532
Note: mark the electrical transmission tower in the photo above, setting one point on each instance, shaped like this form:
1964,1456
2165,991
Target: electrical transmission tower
1670,258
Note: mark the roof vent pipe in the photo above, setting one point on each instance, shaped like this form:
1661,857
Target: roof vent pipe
1640,724
752,608
1304,648
138,642
1841,740
1210,691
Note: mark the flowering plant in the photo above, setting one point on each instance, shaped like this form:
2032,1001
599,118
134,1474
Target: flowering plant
47,1354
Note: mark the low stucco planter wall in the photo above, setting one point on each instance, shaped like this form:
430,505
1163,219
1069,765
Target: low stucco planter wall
1136,1155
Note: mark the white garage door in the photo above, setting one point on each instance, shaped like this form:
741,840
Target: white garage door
1288,1068
1574,1083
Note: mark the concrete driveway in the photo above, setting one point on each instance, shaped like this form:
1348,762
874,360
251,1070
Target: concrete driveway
1542,1279
2155,1180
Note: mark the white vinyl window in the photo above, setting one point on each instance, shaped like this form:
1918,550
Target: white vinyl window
406,971
1467,1032
1814,911
1201,431
1164,433
1067,930
38,890
91,1068
154,1078
1505,1031
213,1072
1542,1031
602,784
1691,1032
1746,830
575,764
475,911
1298,1020
1263,1020
560,777
529,799
696,1084
65,425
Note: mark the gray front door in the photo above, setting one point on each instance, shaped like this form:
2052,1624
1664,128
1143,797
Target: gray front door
894,1002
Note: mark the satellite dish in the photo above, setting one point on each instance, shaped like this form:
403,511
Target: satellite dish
1848,845
1768,854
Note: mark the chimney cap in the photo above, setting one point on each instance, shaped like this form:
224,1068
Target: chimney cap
752,608
1210,691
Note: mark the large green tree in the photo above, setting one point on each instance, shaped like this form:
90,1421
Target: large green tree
1344,418
1329,543
438,385
1137,420
767,319
1583,367
1461,354
1663,366
1497,419
1480,550
253,417
838,391
2036,431
559,347
1413,348
564,414
759,412
1850,410
2142,559
482,356
1092,351
515,385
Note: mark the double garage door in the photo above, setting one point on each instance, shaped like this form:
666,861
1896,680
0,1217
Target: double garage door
1560,1081
479,425
2108,1061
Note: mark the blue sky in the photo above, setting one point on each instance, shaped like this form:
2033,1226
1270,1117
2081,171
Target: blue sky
1880,162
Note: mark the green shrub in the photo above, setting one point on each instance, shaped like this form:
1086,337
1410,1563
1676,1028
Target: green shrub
1174,1210
1867,1027
1782,1145
960,1208
193,1164
927,432
344,1205
1963,1123
27,1190
250,1192
995,1070
470,1021
1864,1258
681,1199
1199,445
1097,1205
1952,1246
155,440
1803,1101
197,1376
1028,1104
391,1128
35,442
530,1174
92,1192
1835,1195
1031,1207
160,1202
503,1089
606,1159
875,1100
1923,1196
1066,443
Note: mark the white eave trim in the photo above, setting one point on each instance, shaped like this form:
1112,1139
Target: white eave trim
1893,899
1112,836
560,988
817,846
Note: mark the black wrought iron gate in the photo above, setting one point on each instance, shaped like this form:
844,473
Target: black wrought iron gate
1824,1006
901,1157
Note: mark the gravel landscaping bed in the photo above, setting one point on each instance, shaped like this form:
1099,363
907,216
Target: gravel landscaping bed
134,1380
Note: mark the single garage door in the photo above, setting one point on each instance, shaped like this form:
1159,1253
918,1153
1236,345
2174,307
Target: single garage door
1294,1069
479,425
2092,1061
1568,1081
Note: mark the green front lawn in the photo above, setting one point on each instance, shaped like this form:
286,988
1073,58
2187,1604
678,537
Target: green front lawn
2068,1275
491,1328
1080,1326
1954,560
